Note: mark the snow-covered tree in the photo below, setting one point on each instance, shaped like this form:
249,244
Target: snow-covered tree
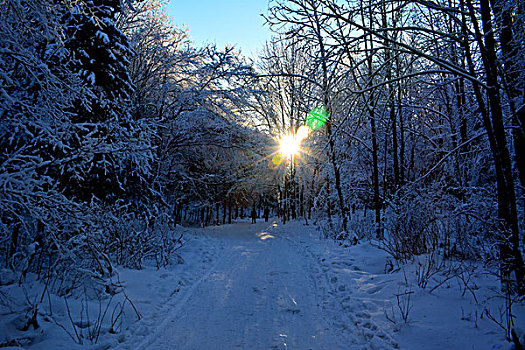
430,78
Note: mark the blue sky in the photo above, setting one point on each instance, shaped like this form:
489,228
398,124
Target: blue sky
222,22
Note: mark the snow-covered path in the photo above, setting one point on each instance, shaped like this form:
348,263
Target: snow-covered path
259,295
275,286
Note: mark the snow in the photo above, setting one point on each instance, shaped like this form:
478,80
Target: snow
275,286
91,78
257,295
102,36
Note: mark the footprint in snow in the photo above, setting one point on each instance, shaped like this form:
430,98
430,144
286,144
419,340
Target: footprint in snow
363,315
292,310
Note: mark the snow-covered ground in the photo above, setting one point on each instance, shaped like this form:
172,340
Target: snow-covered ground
274,286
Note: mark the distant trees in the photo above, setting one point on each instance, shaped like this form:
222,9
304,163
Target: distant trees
198,99
281,110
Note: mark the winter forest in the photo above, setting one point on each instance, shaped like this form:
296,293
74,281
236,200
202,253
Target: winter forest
360,184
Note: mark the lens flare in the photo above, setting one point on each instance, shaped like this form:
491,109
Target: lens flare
317,118
302,133
277,159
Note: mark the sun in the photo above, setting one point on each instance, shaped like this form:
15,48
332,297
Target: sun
290,144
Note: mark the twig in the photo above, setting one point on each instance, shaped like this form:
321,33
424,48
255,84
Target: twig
79,340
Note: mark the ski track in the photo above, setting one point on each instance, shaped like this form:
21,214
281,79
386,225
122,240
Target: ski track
266,290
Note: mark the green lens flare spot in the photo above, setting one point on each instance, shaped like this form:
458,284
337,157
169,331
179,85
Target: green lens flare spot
277,159
317,117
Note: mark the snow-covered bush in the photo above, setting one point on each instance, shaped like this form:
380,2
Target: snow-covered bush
138,238
412,227
362,226
433,221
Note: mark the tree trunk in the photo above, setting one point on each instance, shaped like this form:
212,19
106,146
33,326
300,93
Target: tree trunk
224,212
510,75
510,255
401,139
337,175
375,176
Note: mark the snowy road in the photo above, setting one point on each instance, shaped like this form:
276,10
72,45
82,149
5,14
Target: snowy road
274,286
259,295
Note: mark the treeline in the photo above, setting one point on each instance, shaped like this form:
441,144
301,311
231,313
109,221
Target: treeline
426,123
110,122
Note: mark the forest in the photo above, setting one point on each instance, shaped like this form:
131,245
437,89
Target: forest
116,132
